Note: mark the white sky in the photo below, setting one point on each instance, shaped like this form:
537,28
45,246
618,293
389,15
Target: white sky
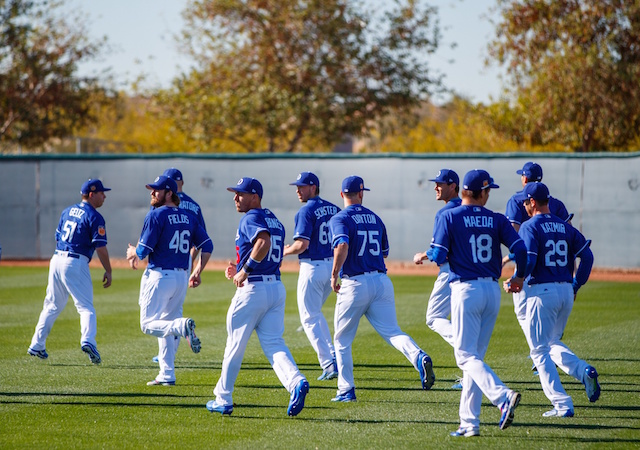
141,35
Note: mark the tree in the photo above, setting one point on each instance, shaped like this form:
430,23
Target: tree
41,95
272,75
576,66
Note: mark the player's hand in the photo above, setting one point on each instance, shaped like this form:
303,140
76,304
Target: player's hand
195,280
106,280
239,278
418,257
286,251
335,285
513,285
132,257
231,270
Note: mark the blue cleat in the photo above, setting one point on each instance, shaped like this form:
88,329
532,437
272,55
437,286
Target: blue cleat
349,396
161,383
425,367
296,402
466,432
42,354
329,373
155,359
92,352
557,413
222,409
591,385
507,410
190,335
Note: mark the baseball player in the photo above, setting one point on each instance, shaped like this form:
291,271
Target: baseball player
186,204
552,247
447,187
312,245
167,237
259,301
359,240
81,231
470,237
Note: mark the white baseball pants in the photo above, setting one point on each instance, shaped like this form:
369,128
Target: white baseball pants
314,286
474,310
162,294
67,276
256,306
439,307
370,295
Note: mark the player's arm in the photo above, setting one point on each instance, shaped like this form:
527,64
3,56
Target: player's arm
103,255
194,279
261,247
419,257
299,246
584,269
340,252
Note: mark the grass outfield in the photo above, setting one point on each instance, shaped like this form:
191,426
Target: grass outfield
66,402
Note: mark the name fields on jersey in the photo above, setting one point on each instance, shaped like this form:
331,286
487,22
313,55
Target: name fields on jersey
326,211
478,221
76,212
364,218
178,218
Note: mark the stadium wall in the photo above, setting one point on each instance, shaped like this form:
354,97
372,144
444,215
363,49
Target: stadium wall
601,189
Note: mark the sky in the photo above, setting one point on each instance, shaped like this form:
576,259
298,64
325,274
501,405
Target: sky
141,36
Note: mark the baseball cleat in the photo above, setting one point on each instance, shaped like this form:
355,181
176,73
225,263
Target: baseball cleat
457,385
161,383
557,413
296,402
329,373
507,410
222,409
92,352
42,354
155,359
190,335
349,396
425,367
466,432
591,385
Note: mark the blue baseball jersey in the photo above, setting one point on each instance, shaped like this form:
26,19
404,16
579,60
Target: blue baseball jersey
516,212
554,245
188,204
253,223
167,237
471,236
81,230
312,224
366,235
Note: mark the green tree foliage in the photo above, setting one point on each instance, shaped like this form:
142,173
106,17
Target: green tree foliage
575,67
41,96
291,75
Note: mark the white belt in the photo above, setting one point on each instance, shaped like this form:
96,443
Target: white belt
309,260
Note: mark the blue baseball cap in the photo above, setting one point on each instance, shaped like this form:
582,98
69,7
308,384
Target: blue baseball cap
93,186
536,191
247,185
306,179
353,184
173,173
478,180
532,171
163,182
446,176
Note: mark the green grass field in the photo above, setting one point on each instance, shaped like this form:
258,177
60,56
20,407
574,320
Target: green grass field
66,402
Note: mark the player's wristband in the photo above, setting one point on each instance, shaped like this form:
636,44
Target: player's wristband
250,265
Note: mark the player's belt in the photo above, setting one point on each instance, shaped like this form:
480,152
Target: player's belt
462,280
67,254
373,272
265,278
309,260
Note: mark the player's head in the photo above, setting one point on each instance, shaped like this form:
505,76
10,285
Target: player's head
530,172
248,194
447,185
476,185
163,190
352,189
94,192
307,186
536,198
176,176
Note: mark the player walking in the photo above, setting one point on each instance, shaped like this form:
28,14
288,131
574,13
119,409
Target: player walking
259,301
470,237
81,231
359,240
552,247
312,245
167,237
